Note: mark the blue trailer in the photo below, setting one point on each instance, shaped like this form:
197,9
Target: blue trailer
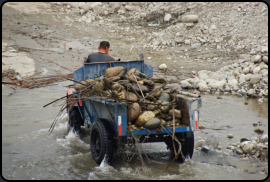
107,119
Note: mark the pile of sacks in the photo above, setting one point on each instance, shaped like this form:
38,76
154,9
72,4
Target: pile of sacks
149,102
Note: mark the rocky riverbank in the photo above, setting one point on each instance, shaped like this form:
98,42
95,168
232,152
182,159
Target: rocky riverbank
232,40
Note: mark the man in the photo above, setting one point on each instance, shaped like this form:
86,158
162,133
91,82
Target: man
102,55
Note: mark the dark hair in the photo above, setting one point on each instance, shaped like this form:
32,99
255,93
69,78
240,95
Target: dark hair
104,45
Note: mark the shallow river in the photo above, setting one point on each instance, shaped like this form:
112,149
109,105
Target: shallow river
29,152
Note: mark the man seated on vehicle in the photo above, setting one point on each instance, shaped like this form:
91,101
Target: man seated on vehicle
102,55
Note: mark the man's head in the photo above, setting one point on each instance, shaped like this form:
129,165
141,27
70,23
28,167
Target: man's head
104,47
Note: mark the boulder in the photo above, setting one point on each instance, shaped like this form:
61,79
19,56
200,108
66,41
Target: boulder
245,70
152,123
165,107
257,58
203,76
114,71
132,70
248,146
232,81
129,8
203,72
199,143
185,84
248,76
177,113
167,17
164,97
144,117
190,18
255,79
163,66
128,95
265,59
217,84
257,70
133,112
230,135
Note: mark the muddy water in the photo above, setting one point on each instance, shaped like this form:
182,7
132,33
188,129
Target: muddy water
29,152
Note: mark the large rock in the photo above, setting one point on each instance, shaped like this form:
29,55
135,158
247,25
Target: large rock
203,76
152,124
203,72
199,143
248,76
177,113
232,81
257,70
257,58
248,146
165,107
144,117
129,8
245,70
128,96
113,71
133,112
217,84
242,78
167,17
185,84
202,86
265,59
163,66
164,97
255,79
190,18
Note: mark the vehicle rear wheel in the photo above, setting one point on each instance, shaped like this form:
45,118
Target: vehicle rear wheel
101,141
75,119
187,142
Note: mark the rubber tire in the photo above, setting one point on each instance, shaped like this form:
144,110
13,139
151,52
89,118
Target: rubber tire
187,145
75,120
101,141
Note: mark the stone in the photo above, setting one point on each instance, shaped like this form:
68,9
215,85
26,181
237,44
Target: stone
167,17
187,41
143,15
232,81
185,84
203,76
152,124
114,71
264,138
163,66
230,135
177,113
165,108
265,59
259,131
255,79
129,8
199,144
239,151
217,84
205,149
264,49
133,112
142,87
132,70
257,70
248,146
244,139
257,58
245,70
144,117
248,76
128,95
190,18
